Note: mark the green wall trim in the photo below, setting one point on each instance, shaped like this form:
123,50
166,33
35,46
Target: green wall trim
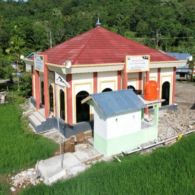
127,142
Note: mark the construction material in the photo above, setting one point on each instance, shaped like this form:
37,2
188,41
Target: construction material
154,145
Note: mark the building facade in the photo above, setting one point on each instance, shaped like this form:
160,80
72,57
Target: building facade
95,62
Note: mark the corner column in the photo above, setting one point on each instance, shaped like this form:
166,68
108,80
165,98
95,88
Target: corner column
95,82
33,81
69,99
46,87
119,80
158,82
146,110
147,76
174,85
140,81
37,89
125,77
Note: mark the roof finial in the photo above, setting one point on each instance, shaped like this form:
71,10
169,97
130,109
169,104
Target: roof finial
98,23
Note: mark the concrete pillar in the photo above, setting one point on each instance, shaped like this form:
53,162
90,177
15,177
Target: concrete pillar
95,82
46,87
119,80
146,110
69,99
140,81
174,85
125,77
37,89
147,76
158,82
33,78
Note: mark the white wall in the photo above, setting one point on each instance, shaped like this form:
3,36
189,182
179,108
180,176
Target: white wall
118,125
123,124
106,80
100,125
153,74
133,80
167,75
81,82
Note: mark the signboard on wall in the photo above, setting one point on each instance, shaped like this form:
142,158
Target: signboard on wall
59,80
39,63
137,63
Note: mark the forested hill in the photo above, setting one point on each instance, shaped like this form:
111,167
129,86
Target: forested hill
36,24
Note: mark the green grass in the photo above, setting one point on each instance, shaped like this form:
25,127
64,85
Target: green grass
19,147
165,171
4,189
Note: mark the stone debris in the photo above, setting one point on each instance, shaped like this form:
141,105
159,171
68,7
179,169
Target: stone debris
181,120
13,189
25,178
172,123
68,164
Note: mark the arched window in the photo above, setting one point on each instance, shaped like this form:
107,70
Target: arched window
82,110
165,93
51,98
131,87
107,89
42,93
62,104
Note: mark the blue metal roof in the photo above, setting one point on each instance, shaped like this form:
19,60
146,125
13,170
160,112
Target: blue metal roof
117,102
179,56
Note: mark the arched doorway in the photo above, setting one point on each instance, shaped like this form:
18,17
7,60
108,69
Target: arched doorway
42,93
165,93
51,98
131,87
82,110
62,105
106,90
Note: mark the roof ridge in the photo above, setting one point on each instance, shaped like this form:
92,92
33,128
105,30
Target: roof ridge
79,54
68,40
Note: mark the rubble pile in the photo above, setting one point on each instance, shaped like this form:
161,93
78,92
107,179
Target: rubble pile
174,122
25,178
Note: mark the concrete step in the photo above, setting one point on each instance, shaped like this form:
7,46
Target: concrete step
34,121
42,111
39,116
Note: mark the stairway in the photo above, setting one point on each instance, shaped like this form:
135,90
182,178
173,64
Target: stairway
39,123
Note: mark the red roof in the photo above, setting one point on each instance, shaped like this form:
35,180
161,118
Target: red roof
99,46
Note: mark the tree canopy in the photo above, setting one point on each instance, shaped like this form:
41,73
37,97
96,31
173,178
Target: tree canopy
35,25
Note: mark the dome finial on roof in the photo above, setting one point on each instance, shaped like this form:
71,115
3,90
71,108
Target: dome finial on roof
98,23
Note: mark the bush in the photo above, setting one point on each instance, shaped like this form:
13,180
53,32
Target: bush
25,88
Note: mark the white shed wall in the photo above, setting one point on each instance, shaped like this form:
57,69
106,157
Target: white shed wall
118,125
123,124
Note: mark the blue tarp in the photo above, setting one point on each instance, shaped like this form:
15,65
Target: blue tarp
117,102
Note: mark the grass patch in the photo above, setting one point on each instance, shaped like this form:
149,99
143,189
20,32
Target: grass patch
165,171
4,189
19,147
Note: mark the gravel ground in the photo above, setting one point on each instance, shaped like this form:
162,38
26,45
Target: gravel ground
171,122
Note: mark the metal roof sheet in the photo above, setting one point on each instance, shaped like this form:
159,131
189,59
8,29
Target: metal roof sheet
179,56
117,102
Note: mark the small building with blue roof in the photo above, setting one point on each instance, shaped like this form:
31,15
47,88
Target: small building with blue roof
119,124
183,71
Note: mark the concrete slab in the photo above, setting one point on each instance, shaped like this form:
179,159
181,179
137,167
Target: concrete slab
51,170
69,160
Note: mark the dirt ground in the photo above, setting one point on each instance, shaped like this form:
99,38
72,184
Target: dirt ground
174,122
